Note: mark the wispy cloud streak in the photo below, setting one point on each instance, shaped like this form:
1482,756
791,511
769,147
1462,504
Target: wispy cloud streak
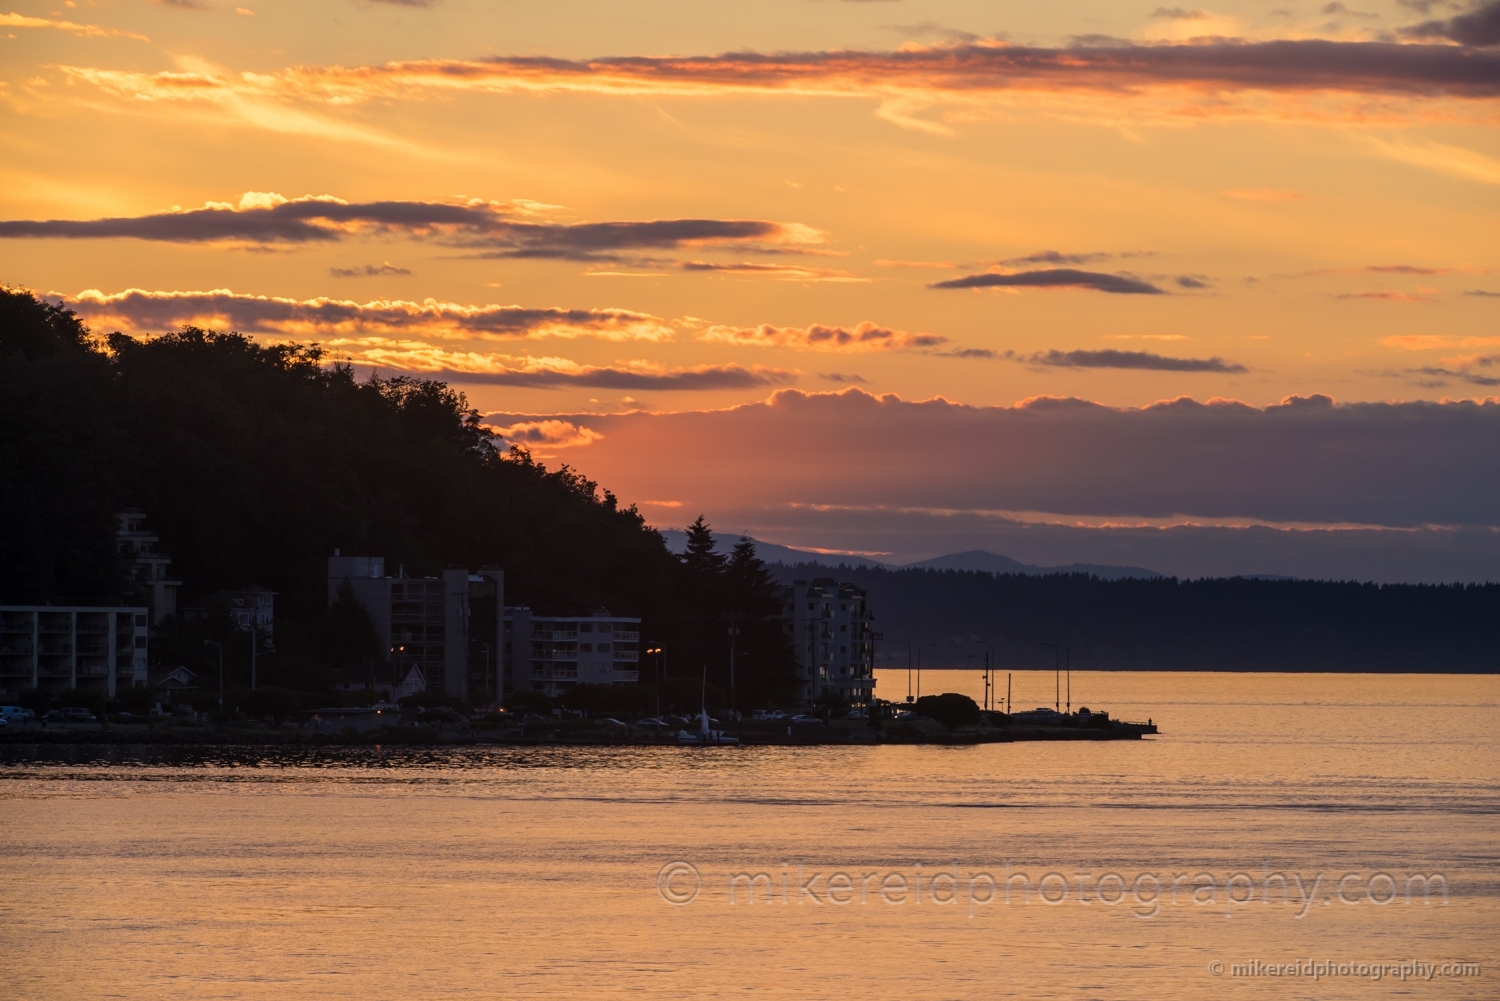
862,337
532,372
1138,360
1055,278
492,229
139,311
1220,78
71,27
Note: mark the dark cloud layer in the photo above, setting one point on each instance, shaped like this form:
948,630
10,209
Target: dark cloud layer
492,229
1478,372
1111,64
1479,27
1305,460
385,270
1056,278
704,378
1131,360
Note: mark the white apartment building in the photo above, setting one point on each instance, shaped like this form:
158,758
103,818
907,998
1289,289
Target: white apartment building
58,647
549,653
829,625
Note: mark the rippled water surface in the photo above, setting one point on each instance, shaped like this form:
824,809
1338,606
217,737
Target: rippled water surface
1131,868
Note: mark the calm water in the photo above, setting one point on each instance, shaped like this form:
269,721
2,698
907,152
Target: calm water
539,873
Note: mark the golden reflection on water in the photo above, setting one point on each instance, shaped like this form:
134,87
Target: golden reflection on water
534,872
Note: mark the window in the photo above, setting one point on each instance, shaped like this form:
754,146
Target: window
606,627
585,648
585,627
140,620
140,642
603,648
843,629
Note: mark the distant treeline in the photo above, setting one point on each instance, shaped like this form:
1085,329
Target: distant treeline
1166,624
253,462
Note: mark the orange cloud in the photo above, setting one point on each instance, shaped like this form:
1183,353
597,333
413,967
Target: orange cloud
81,30
1388,295
865,336
1304,80
548,433
546,372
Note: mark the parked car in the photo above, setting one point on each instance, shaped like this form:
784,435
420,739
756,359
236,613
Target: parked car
674,720
4,722
15,714
806,720
608,721
76,714
651,723
855,714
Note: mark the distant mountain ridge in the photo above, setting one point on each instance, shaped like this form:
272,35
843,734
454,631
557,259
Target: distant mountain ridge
973,559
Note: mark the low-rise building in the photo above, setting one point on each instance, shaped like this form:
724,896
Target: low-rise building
830,627
53,647
447,628
551,653
250,607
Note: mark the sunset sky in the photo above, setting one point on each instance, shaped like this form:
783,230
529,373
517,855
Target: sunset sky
892,277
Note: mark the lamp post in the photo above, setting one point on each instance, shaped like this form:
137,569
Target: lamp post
660,662
734,632
989,665
920,648
908,669
1058,651
221,669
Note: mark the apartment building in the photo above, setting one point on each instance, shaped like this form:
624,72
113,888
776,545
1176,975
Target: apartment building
145,565
442,632
550,653
830,626
54,647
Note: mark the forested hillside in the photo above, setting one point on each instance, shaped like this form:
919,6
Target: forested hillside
254,462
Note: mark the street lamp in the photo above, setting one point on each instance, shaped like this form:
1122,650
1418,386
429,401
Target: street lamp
1058,652
989,659
734,632
989,667
908,669
660,669
920,648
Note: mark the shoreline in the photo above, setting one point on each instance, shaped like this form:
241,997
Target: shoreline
88,735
